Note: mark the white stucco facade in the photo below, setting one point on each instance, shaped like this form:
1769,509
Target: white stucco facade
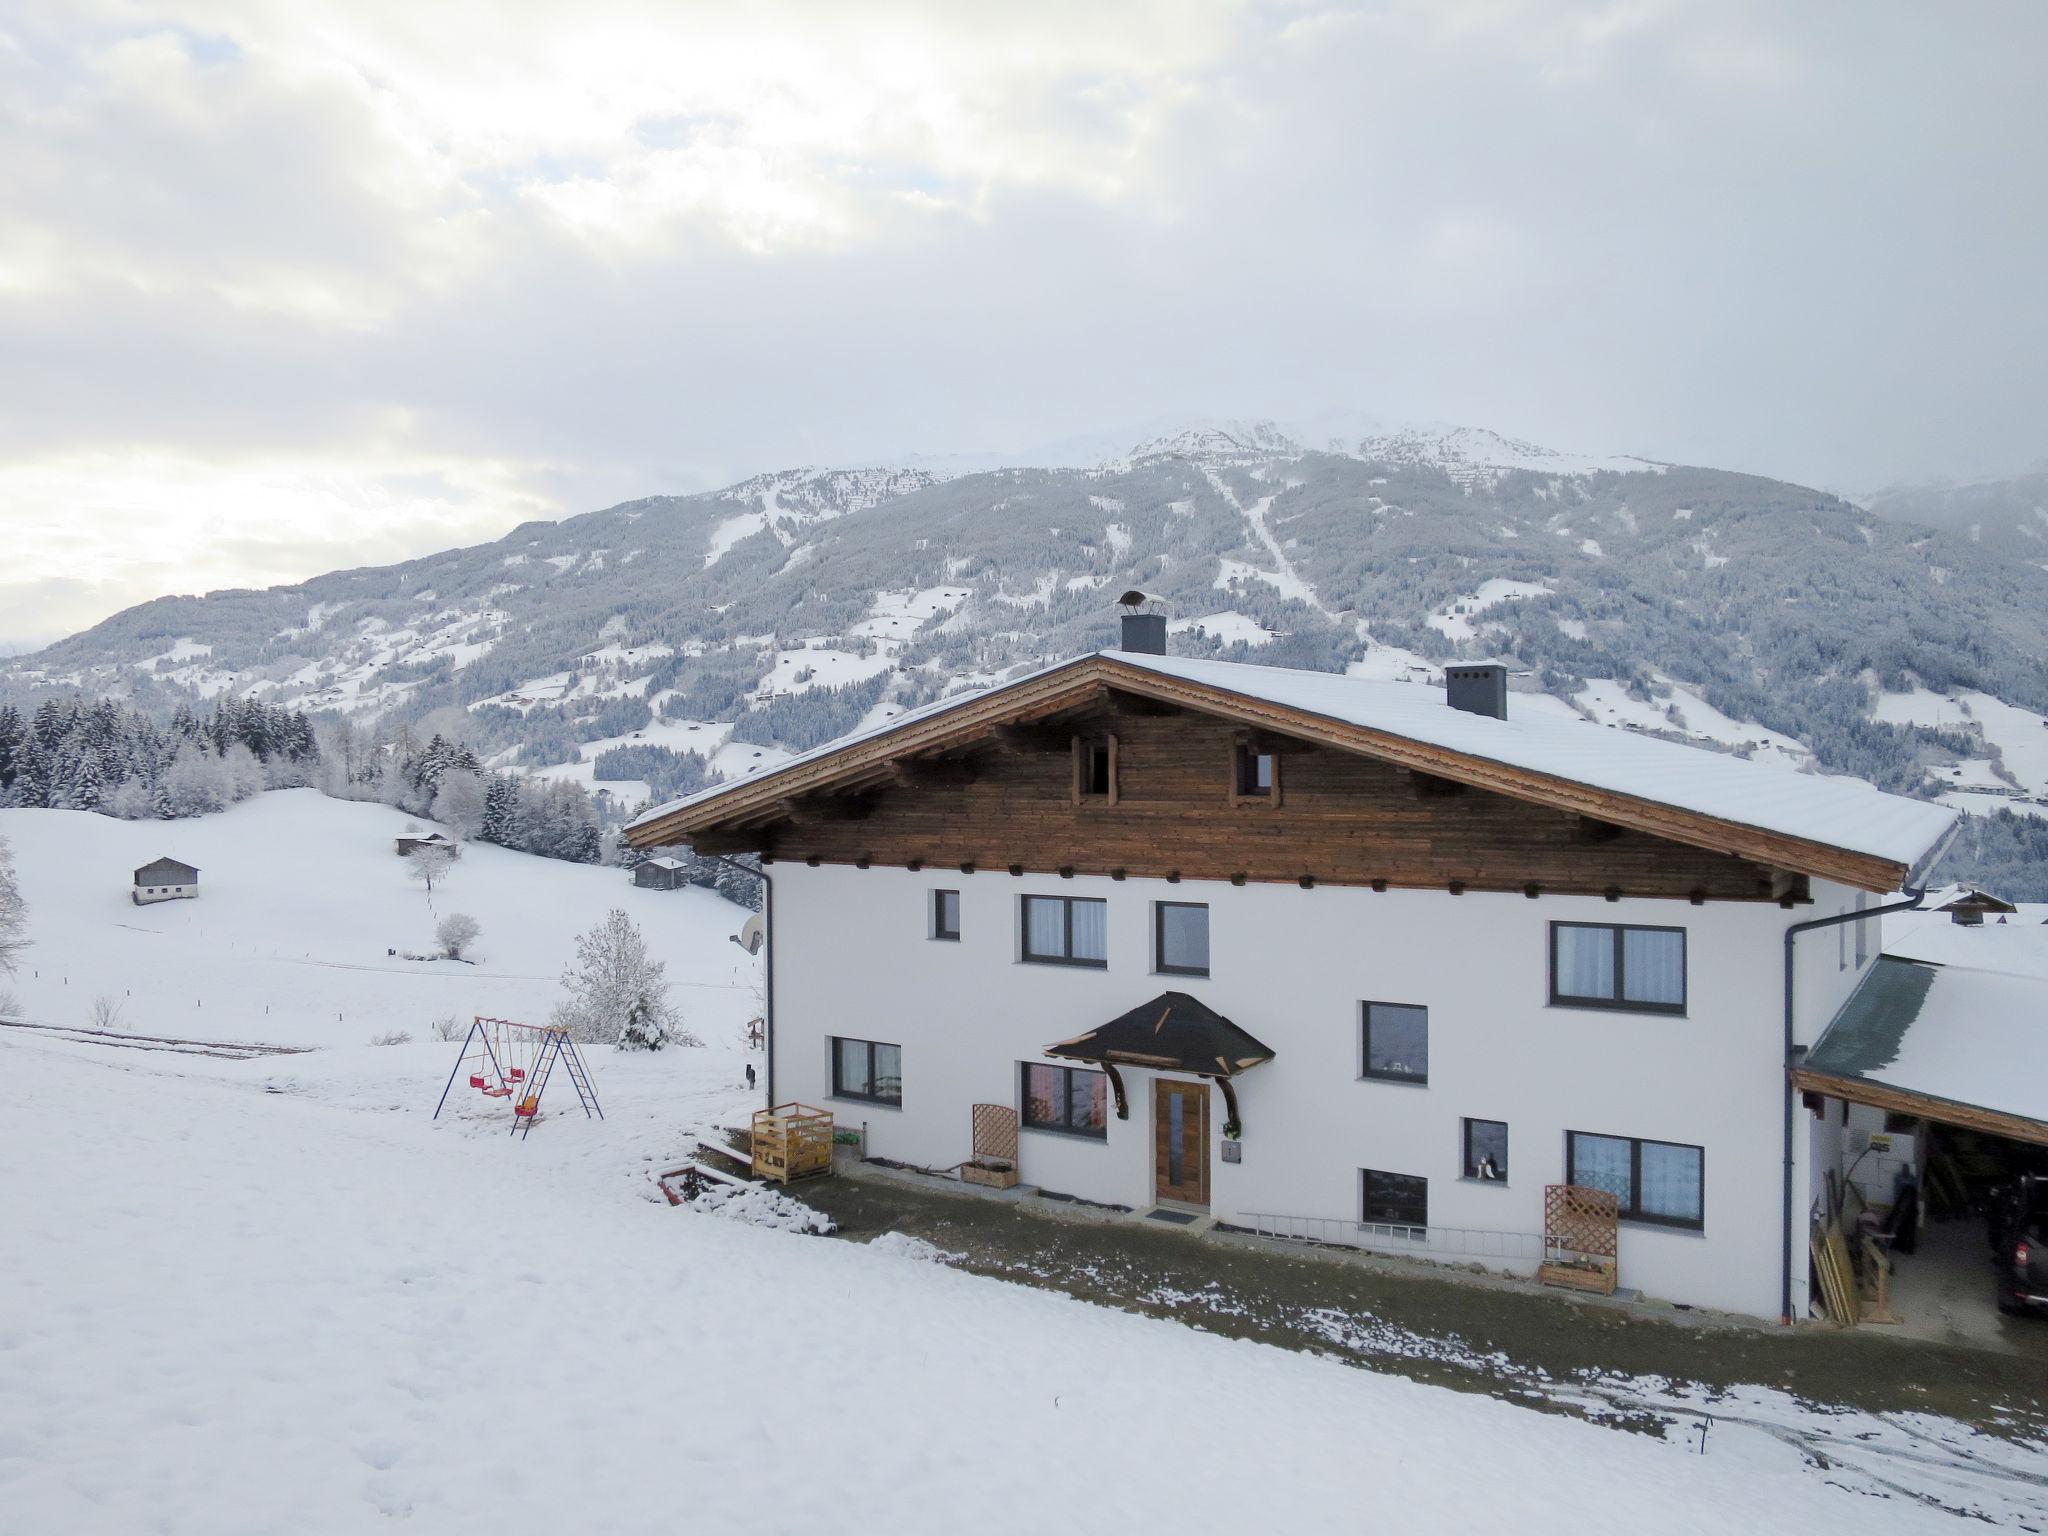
855,958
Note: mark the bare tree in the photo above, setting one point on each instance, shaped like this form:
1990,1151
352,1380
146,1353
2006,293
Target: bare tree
618,993
459,805
106,1011
430,867
13,913
457,931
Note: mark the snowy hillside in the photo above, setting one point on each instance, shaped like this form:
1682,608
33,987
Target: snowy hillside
714,632
302,898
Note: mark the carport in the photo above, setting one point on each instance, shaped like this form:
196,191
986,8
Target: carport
1933,1080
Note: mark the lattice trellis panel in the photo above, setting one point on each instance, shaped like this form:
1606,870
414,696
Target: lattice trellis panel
995,1133
1581,1221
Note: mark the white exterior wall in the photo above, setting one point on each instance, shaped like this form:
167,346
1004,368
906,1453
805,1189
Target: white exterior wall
145,894
854,958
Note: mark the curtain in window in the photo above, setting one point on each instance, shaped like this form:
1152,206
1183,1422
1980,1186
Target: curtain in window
1087,1100
1091,930
1671,1181
1041,1095
1045,926
1184,937
888,1072
853,1066
1602,1162
1585,962
1653,965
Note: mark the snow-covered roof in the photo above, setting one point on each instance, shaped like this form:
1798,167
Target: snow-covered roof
667,861
1837,812
1963,1036
2016,944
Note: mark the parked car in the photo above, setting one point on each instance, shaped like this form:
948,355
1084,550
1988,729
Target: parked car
2019,1242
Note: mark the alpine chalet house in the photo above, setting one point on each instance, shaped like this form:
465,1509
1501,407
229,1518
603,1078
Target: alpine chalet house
164,879
1307,953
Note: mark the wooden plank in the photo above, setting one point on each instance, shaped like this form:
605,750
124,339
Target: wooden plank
1904,1101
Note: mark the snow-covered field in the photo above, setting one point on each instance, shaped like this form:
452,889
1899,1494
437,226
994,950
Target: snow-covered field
274,1294
301,899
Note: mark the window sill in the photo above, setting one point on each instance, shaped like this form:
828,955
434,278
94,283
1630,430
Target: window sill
1185,975
1473,1178
945,938
1097,1138
1632,1010
1398,1082
1065,965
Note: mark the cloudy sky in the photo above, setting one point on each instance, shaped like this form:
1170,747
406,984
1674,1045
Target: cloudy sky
330,282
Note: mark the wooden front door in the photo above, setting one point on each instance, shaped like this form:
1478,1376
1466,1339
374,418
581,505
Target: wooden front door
1180,1141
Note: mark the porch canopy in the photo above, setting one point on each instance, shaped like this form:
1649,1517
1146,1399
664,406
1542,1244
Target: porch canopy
1172,1033
1947,1043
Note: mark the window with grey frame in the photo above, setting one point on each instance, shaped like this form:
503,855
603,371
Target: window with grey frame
1661,1183
1071,1100
1399,1200
1394,1042
1486,1151
1180,937
1254,772
867,1069
1612,965
1066,930
945,914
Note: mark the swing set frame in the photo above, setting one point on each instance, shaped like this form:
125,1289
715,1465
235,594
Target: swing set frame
493,1043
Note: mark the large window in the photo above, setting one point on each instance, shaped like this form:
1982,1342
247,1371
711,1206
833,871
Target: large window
1656,1181
1066,930
1180,937
1394,1200
1486,1151
945,914
867,1069
1604,965
1395,1043
1070,1099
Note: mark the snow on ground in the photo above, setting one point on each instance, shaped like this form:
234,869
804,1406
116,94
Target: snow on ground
898,615
826,667
1607,702
256,1297
300,899
1228,627
2020,735
1394,664
1455,619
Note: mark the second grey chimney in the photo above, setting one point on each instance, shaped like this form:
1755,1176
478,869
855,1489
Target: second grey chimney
1145,634
1481,689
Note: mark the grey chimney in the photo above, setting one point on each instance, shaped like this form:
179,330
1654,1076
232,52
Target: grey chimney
1479,689
1145,634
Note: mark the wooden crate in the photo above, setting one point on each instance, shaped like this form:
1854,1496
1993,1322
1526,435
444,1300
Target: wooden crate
1581,1239
792,1141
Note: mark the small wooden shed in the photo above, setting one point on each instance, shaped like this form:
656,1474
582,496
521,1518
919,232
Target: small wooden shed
663,874
164,880
410,843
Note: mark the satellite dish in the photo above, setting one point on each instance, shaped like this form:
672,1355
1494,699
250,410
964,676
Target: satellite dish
752,935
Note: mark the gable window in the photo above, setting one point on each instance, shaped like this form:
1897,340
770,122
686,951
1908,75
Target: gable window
1395,1043
1180,936
1399,1200
867,1069
1605,965
1257,774
945,914
1095,769
1066,930
1070,1099
1486,1151
1659,1182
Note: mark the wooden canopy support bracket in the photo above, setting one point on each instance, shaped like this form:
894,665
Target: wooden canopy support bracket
1233,1126
1116,1087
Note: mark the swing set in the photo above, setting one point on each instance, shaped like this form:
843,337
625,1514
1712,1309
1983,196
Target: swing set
505,1060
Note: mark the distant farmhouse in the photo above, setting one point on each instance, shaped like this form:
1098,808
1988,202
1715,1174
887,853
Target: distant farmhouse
665,873
410,843
164,880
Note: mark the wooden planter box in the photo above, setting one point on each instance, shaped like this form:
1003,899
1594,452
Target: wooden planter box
792,1141
990,1171
1596,1275
1581,1239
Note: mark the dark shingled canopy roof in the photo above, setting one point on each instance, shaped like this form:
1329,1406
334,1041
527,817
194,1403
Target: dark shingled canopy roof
1173,1033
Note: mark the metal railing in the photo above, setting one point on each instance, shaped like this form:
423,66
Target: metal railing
1390,1237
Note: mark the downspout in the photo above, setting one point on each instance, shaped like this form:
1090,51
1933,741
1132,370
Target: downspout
1917,895
768,1001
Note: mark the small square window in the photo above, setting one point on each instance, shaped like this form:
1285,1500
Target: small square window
1486,1151
945,914
1395,1045
1398,1200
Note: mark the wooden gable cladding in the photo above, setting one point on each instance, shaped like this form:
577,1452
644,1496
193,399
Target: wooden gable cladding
1038,713
1344,819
